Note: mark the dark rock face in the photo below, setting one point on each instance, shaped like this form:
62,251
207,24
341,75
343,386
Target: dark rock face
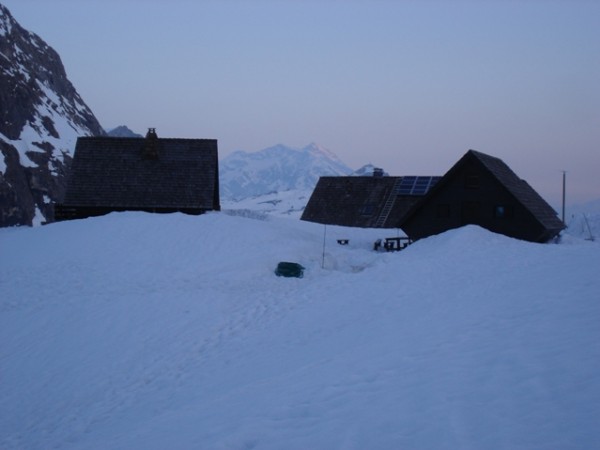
41,116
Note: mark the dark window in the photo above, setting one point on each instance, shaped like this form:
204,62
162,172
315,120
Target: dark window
503,211
472,181
443,210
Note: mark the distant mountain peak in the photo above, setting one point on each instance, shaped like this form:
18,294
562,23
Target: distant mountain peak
276,169
320,150
368,170
123,131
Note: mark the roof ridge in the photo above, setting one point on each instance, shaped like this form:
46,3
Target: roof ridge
131,138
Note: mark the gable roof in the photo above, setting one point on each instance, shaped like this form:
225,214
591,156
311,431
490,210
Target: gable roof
144,173
365,201
518,188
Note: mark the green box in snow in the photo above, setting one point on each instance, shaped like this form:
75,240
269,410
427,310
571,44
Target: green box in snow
289,269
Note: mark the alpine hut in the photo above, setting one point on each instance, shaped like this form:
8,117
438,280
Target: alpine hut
481,189
141,174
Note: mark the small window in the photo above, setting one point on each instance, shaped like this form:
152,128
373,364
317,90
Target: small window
503,211
472,181
443,210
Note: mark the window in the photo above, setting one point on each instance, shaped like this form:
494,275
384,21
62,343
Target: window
443,210
503,211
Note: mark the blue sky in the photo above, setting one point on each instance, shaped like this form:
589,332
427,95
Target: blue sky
406,85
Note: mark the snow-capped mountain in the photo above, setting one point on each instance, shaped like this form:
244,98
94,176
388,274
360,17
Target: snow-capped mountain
41,116
277,180
276,169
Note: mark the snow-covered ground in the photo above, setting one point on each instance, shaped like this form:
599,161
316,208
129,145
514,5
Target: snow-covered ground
137,331
290,203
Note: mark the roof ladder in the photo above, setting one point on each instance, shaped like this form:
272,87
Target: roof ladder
389,204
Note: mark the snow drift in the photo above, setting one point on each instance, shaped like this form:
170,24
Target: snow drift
171,331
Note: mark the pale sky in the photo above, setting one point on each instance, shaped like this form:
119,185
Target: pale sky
409,86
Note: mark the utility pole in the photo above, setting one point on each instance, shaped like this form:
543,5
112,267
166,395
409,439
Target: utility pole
324,235
563,194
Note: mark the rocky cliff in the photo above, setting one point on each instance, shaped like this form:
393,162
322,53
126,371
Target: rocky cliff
41,116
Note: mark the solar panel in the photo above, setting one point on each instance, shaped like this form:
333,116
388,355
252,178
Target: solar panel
413,185
406,185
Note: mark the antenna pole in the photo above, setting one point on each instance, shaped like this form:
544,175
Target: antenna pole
324,234
564,184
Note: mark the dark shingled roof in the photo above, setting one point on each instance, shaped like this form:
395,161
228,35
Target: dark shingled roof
144,174
521,190
366,202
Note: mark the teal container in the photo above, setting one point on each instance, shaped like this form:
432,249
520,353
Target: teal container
289,269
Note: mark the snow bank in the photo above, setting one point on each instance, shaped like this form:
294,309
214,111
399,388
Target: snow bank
171,331
585,226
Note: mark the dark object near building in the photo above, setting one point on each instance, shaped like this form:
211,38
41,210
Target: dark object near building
482,190
367,202
395,244
289,269
141,174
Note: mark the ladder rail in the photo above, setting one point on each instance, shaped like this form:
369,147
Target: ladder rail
388,205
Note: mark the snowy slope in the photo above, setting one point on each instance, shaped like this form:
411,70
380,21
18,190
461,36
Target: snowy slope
171,331
290,203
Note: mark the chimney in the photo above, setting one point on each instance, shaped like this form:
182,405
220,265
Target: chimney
377,172
151,134
150,150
